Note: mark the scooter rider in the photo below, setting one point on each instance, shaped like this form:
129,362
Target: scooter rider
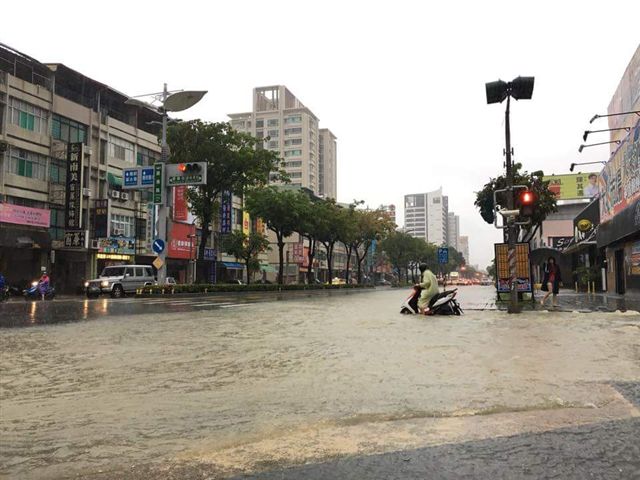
43,284
429,285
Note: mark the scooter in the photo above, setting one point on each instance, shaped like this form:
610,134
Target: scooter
443,303
34,293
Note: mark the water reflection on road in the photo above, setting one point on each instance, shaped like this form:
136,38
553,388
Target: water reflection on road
82,397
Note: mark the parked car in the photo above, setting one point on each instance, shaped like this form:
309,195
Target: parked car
170,281
120,280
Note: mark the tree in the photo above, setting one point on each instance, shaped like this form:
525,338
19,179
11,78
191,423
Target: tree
371,225
280,209
233,164
348,233
545,203
330,225
247,248
308,228
399,248
491,269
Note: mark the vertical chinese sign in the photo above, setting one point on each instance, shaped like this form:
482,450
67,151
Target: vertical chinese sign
225,213
73,200
180,208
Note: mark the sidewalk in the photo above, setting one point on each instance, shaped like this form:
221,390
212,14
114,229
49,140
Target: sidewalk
583,302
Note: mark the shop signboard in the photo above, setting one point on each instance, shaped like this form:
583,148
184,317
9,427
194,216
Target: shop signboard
73,198
182,242
34,217
298,253
225,213
560,243
523,270
76,238
573,185
246,222
620,178
120,245
101,218
180,207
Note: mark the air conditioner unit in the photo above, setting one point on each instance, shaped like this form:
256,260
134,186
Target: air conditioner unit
94,244
114,193
4,146
86,192
117,231
124,196
88,152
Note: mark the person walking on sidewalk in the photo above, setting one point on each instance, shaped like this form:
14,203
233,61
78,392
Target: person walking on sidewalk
551,281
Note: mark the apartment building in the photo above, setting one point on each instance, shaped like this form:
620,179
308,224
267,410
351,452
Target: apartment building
426,216
463,242
453,230
327,174
46,109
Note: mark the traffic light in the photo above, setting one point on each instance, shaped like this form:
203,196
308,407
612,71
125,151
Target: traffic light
189,168
526,203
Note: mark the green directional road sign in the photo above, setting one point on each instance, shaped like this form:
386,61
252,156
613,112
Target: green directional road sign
158,183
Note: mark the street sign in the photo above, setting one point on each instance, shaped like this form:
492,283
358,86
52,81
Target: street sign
158,183
158,263
146,177
443,255
194,173
158,246
209,254
131,177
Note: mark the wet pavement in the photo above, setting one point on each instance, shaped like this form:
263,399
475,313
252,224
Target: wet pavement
321,386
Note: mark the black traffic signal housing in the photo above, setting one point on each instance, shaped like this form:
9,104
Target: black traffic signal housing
526,203
189,168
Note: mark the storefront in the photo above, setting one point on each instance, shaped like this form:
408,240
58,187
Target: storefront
25,244
182,251
113,251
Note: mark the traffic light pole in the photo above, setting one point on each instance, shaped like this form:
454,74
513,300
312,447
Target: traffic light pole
163,208
511,226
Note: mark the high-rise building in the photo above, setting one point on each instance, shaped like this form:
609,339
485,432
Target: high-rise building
391,210
327,174
463,242
453,230
426,216
291,129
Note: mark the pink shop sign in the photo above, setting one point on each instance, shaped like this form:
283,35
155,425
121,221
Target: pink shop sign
35,217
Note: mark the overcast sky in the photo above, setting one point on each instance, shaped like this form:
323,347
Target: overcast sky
400,83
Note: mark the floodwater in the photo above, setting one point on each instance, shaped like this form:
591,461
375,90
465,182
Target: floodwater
99,396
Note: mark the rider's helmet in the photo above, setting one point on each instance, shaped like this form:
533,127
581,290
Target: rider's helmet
422,267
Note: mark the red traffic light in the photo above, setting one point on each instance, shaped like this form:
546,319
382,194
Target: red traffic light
527,197
182,167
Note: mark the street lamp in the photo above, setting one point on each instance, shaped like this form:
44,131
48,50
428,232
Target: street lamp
596,116
582,147
573,165
587,132
174,101
521,88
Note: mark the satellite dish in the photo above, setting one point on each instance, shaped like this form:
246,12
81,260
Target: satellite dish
180,101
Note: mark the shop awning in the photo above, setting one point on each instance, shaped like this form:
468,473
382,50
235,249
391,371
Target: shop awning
233,265
114,180
24,238
265,267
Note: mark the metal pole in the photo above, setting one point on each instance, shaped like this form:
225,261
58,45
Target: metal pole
163,208
511,228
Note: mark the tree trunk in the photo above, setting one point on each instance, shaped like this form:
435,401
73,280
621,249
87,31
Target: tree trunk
310,256
281,258
246,262
329,248
349,249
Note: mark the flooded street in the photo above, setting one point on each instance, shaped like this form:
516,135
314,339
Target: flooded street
282,383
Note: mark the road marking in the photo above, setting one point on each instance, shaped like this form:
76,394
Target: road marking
237,305
204,304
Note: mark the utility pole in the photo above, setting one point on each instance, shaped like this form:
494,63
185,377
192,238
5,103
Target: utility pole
511,227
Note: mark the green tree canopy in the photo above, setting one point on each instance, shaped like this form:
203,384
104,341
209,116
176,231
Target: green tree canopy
246,248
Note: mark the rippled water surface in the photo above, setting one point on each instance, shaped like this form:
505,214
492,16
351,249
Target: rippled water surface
80,397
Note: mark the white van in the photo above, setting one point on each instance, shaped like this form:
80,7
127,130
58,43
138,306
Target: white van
119,280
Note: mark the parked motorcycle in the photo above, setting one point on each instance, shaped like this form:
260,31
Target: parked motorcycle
443,303
35,292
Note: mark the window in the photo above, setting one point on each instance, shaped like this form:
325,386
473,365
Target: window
259,133
273,122
67,130
139,272
293,153
259,123
120,149
293,119
237,216
57,224
293,131
112,272
122,225
436,200
27,164
146,157
57,171
273,133
274,145
28,116
294,164
295,174
292,142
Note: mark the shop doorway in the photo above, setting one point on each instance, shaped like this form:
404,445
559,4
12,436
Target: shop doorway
620,272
